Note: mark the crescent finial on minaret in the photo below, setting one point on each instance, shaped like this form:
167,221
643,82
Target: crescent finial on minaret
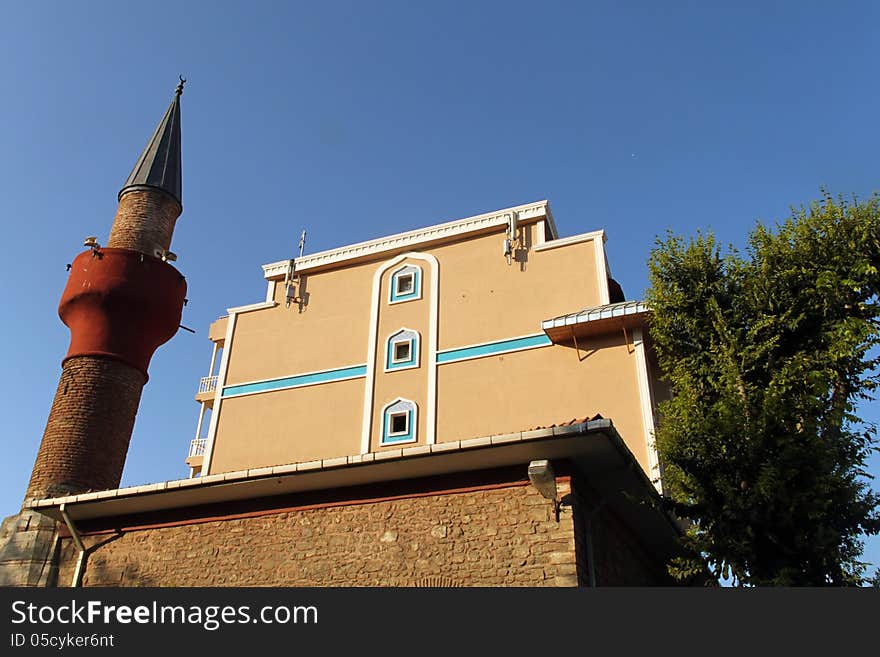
179,91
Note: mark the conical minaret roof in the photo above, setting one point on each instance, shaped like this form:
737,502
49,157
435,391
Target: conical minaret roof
159,165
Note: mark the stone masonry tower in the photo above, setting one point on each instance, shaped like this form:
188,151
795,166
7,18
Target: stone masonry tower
121,302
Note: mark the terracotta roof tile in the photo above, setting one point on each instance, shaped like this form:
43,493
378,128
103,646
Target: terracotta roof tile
567,423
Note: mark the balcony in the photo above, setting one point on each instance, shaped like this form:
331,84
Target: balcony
207,387
196,453
197,447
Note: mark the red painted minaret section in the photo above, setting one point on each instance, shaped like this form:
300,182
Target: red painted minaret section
121,303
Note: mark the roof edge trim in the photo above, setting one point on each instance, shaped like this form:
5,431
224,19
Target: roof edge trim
404,241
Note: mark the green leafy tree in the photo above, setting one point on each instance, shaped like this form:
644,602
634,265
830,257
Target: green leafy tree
768,356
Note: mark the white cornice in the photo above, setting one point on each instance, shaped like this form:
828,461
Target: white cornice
400,241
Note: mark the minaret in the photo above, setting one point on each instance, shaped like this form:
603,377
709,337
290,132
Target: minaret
120,303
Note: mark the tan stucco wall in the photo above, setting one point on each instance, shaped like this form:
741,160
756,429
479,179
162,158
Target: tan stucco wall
480,397
542,387
330,332
217,330
660,389
481,299
289,426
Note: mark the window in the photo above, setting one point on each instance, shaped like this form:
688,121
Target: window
402,350
399,422
406,284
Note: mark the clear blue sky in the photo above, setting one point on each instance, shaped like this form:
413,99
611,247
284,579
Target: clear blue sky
359,119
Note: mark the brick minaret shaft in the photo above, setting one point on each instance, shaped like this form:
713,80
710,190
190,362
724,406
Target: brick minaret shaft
121,302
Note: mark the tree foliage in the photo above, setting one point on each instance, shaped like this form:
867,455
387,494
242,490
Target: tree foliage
768,356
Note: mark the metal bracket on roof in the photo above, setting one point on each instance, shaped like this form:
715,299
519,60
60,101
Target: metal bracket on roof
630,345
577,349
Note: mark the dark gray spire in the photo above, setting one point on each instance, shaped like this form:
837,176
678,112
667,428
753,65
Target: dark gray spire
159,165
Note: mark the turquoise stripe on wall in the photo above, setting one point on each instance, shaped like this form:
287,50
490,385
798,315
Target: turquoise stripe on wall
450,356
491,348
296,381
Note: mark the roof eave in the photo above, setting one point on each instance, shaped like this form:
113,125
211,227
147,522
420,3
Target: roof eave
596,320
407,241
594,447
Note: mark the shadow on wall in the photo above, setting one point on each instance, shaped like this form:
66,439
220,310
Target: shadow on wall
297,293
99,571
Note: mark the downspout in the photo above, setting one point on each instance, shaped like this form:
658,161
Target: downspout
591,566
77,540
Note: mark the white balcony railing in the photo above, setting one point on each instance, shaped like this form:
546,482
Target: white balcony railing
197,447
208,384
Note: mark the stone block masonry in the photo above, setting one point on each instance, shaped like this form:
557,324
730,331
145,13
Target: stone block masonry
618,558
493,536
503,534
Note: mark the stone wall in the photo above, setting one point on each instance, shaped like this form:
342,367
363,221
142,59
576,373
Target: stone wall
618,557
497,534
500,535
27,541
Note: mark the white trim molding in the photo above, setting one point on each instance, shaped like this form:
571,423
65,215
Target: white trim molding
420,237
218,394
372,347
568,241
411,435
602,271
415,294
262,305
414,339
647,406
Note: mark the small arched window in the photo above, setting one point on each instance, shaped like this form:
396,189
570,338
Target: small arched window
406,284
402,350
399,422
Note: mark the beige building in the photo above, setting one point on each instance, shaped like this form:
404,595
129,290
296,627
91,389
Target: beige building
488,325
467,404
471,403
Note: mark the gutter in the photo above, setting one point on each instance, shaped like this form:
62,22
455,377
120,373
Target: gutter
594,446
591,563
